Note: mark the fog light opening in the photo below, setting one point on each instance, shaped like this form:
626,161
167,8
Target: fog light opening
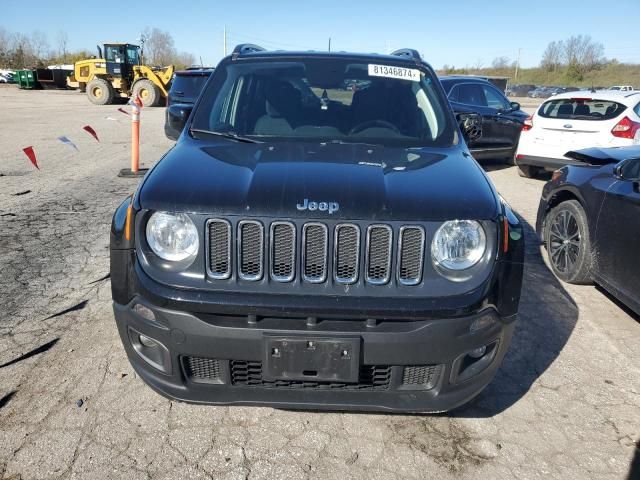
147,341
152,351
478,352
473,362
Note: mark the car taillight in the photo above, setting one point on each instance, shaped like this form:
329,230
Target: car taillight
528,123
625,128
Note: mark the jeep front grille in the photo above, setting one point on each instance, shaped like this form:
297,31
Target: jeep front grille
378,254
219,249
283,251
314,252
411,248
347,253
250,250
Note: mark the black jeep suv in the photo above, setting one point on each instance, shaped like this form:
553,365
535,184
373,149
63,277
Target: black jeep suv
319,237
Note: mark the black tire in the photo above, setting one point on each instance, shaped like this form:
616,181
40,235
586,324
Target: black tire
511,159
528,171
148,92
568,244
100,92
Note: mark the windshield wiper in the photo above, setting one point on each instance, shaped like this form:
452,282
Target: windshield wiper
229,135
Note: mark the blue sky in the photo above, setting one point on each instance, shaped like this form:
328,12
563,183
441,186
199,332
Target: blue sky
460,33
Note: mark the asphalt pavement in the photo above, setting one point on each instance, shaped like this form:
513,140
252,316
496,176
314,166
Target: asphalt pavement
564,405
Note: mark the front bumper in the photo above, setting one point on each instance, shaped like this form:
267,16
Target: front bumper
410,354
409,366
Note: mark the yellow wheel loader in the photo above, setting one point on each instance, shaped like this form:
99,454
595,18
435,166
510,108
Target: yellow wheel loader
120,73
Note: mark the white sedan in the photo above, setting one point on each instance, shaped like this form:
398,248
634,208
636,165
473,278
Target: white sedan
576,120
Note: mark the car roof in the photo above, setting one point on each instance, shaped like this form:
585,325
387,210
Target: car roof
195,71
613,95
248,51
466,78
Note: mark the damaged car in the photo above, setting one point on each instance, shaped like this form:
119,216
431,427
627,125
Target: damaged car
588,221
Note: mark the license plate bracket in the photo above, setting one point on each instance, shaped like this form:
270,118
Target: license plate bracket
312,359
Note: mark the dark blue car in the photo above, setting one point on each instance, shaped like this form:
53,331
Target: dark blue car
502,120
589,220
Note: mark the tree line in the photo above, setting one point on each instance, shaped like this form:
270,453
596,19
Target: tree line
19,50
576,60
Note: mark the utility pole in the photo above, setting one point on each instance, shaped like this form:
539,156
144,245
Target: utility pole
329,43
515,77
224,41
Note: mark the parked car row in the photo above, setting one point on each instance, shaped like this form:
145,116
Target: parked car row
533,91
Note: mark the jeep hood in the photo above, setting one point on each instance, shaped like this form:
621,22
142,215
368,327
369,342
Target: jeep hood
366,181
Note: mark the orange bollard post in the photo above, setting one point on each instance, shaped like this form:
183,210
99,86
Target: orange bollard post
135,170
135,135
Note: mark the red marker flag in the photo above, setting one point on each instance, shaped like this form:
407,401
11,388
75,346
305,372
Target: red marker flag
28,151
123,111
91,132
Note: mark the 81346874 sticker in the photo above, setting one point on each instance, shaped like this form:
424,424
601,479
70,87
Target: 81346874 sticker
401,73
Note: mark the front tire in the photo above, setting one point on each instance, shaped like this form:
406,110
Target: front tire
100,92
568,243
148,92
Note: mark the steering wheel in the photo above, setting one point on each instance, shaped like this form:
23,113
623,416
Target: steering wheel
374,123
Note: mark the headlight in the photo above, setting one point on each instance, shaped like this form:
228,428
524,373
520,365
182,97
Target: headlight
172,236
458,245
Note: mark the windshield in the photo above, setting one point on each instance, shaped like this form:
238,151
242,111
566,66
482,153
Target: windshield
326,100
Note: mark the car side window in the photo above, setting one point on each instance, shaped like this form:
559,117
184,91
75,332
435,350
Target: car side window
472,94
495,99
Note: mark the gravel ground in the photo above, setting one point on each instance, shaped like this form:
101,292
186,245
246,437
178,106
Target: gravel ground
565,404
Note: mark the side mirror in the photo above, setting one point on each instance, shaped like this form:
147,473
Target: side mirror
515,106
471,125
177,116
628,169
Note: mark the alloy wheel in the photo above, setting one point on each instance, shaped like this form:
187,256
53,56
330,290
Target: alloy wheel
564,241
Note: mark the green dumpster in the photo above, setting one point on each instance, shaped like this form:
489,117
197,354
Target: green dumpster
27,79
